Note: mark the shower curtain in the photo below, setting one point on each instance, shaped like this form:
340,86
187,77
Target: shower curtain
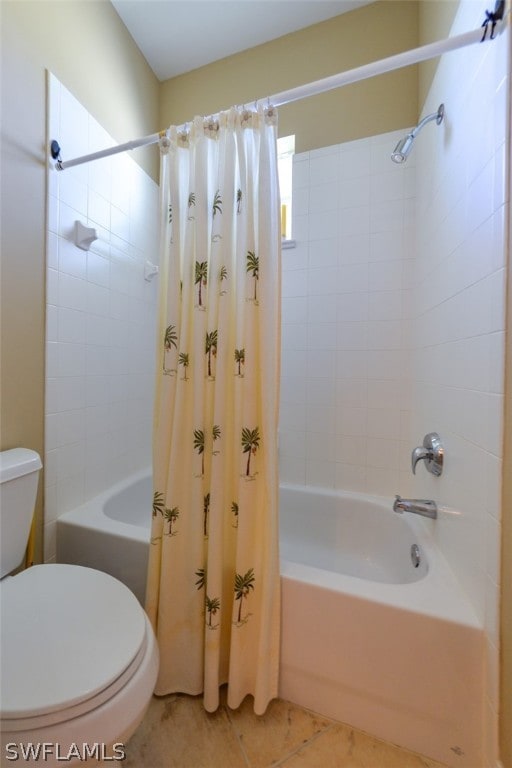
213,581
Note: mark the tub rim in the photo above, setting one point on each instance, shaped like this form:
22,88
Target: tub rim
91,514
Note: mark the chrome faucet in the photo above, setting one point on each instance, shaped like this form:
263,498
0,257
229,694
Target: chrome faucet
424,507
431,452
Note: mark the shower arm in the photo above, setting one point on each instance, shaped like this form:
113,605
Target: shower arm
437,116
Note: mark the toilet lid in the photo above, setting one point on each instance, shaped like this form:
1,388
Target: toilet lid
67,634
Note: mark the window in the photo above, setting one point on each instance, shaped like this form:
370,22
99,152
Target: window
285,152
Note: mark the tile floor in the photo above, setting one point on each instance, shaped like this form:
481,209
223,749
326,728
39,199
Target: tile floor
178,733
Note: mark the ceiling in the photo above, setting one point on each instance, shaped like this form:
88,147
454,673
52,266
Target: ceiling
176,36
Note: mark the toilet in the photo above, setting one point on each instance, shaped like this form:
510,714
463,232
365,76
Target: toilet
79,659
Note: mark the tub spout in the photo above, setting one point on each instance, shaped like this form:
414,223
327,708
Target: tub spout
424,507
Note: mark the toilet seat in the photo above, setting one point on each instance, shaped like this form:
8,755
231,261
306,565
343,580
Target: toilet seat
72,638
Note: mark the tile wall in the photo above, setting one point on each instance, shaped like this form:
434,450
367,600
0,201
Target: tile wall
459,323
394,319
345,406
101,315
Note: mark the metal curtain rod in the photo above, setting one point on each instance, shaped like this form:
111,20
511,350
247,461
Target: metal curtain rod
414,56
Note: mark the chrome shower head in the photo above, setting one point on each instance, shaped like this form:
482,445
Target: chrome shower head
404,146
402,149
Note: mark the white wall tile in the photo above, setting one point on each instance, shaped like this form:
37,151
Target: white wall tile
458,288
73,193
98,270
300,173
65,394
385,275
295,283
52,286
52,324
120,223
292,470
386,186
354,160
420,317
352,278
67,218
292,444
72,292
71,359
354,220
353,192
323,168
97,299
322,282
52,250
322,225
352,306
322,198
72,260
353,364
50,431
71,326
95,390
320,473
98,210
354,248
321,391
385,305
351,449
352,421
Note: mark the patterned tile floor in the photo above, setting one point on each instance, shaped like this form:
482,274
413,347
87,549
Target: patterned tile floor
178,733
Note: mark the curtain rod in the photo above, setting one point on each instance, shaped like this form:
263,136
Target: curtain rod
407,58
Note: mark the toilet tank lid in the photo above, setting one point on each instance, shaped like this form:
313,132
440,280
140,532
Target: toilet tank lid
17,462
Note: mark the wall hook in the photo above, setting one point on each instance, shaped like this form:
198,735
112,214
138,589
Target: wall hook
84,236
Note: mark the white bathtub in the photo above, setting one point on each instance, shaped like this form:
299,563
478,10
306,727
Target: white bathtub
367,638
111,532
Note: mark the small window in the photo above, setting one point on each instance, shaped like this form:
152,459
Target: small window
285,152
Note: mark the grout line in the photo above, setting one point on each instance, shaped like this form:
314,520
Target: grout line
304,745
237,737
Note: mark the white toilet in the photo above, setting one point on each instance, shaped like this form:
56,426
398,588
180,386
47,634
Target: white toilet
79,658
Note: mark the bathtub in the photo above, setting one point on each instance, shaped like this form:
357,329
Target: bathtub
376,632
111,532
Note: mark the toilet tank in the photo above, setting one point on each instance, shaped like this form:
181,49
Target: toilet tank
19,475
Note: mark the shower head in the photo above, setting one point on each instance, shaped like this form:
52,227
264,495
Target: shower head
404,146
402,149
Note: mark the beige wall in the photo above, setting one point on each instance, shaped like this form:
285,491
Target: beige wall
380,104
435,21
89,50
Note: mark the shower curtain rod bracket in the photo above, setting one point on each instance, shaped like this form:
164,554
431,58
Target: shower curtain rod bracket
492,17
55,153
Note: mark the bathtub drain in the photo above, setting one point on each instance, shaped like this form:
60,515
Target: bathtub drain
415,555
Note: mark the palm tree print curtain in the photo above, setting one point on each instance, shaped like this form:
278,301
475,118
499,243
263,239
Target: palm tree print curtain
213,583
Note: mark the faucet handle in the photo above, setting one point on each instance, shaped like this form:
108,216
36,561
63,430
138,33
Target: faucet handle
432,452
419,454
